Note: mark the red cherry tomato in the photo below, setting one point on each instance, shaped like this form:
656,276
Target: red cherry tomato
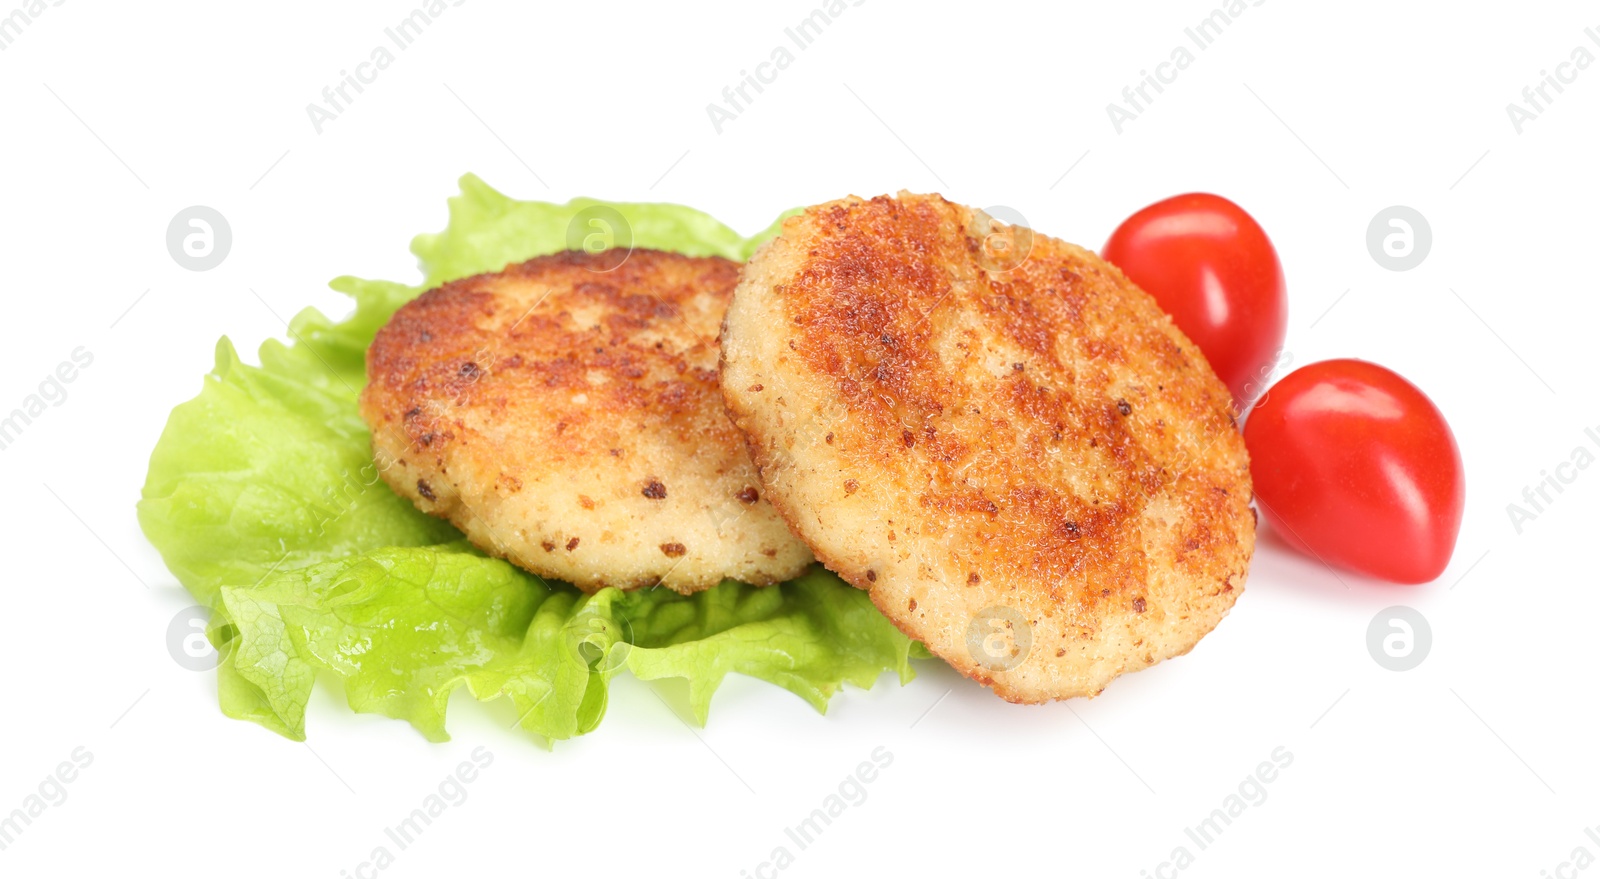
1210,266
1355,465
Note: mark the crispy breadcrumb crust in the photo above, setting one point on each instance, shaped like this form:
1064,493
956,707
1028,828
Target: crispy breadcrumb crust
996,434
564,413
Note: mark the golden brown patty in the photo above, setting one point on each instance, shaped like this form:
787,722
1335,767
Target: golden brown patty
565,415
996,434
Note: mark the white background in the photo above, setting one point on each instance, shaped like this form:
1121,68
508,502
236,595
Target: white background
1480,762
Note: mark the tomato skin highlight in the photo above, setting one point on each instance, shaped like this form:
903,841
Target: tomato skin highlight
1354,465
1211,266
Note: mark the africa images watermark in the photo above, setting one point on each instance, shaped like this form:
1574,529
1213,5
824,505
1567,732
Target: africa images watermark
737,98
339,500
52,392
337,98
1537,98
12,24
451,791
1252,791
1137,98
852,791
1580,858
1540,496
52,791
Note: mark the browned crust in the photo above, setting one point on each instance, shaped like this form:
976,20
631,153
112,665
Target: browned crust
1032,434
565,414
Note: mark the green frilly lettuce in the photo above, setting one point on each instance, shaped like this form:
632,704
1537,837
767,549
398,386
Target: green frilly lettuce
264,501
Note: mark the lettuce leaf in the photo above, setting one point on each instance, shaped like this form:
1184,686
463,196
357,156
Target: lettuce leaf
263,500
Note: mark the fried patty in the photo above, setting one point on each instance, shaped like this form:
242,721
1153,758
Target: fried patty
996,434
564,413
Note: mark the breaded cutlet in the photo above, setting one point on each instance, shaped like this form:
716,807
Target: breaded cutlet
564,413
996,434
